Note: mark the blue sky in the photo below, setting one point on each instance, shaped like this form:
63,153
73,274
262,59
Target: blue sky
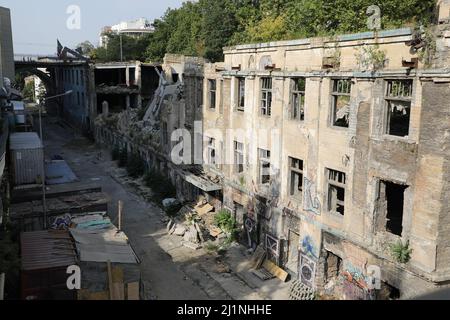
37,24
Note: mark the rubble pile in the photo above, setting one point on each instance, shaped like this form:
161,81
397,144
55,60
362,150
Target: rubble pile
195,225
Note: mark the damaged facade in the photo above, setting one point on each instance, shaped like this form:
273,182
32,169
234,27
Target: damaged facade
357,148
329,152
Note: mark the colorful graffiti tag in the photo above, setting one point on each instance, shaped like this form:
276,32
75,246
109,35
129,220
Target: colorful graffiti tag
308,247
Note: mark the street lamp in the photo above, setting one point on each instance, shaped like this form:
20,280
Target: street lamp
44,204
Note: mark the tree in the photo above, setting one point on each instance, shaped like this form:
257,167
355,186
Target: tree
204,27
85,48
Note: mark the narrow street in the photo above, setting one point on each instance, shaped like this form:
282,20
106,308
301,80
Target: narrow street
169,270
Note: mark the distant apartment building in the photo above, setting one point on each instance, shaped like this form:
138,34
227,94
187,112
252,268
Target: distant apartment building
133,28
6,44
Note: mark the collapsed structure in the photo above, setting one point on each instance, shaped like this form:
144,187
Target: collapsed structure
332,152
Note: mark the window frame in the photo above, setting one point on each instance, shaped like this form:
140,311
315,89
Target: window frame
266,97
239,156
295,112
240,94
264,164
294,170
390,99
335,95
335,184
212,94
211,148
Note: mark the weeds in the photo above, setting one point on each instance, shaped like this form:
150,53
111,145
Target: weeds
401,252
135,165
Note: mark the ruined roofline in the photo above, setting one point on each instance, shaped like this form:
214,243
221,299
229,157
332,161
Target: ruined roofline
124,64
370,35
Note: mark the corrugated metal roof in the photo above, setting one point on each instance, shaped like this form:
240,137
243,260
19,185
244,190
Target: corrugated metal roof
24,140
47,250
98,240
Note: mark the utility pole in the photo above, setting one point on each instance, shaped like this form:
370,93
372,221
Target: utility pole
121,47
44,200
120,214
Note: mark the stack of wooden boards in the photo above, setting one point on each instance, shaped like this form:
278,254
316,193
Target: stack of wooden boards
265,269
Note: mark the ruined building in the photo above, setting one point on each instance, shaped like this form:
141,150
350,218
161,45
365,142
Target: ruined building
332,152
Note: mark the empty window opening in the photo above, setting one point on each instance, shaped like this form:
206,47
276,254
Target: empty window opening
266,96
175,77
298,99
212,93
132,76
239,156
111,77
388,292
336,191
241,94
296,178
398,98
264,166
341,102
211,151
333,266
392,202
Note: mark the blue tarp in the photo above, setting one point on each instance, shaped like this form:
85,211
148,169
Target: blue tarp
59,172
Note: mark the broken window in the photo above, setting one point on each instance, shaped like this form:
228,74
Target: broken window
296,178
298,99
388,292
391,206
333,266
212,93
241,94
398,98
239,156
264,166
336,191
266,96
341,102
212,151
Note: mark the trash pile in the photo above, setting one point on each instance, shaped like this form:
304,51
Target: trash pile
196,226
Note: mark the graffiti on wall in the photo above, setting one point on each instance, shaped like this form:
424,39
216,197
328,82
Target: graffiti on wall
311,201
309,248
307,270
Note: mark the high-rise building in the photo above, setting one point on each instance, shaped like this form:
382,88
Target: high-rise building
6,44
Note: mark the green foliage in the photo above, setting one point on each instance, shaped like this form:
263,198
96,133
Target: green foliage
427,53
401,252
28,91
204,27
224,220
115,153
85,48
9,254
123,158
371,58
132,48
135,165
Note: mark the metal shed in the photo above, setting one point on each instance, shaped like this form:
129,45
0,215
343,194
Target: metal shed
27,158
45,258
